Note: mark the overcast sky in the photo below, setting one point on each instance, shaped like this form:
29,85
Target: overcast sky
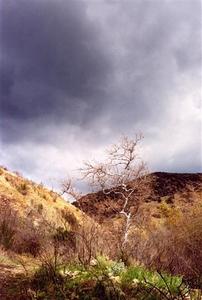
76,74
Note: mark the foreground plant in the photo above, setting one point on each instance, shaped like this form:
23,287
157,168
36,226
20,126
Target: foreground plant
105,279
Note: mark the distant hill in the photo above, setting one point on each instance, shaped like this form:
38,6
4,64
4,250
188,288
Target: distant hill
29,199
32,200
176,190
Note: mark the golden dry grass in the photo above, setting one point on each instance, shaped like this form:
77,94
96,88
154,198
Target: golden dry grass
34,200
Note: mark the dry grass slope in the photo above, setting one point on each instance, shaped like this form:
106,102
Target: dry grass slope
31,200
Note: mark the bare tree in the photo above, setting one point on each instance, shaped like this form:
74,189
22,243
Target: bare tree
122,173
68,188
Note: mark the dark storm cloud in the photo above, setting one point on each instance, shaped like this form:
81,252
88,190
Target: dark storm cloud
57,64
52,62
75,74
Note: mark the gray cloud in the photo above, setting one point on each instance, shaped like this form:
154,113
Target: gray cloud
52,62
159,42
80,73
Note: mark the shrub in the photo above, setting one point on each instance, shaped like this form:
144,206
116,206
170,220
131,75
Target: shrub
18,173
8,225
69,219
23,188
7,234
161,281
88,243
19,235
177,246
27,242
64,236
48,281
40,208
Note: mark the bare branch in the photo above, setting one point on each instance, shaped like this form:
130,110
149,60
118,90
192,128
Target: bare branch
114,175
69,189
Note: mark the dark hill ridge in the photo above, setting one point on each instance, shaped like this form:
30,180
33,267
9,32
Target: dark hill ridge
175,189
167,184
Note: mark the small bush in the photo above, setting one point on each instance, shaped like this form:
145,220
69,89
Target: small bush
8,225
48,280
7,234
18,235
18,174
69,218
65,237
4,168
27,243
23,188
160,281
40,208
176,247
44,196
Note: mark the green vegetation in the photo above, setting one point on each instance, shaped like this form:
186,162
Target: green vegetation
104,279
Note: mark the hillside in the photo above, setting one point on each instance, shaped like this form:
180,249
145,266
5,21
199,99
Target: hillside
30,217
176,190
33,201
45,254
